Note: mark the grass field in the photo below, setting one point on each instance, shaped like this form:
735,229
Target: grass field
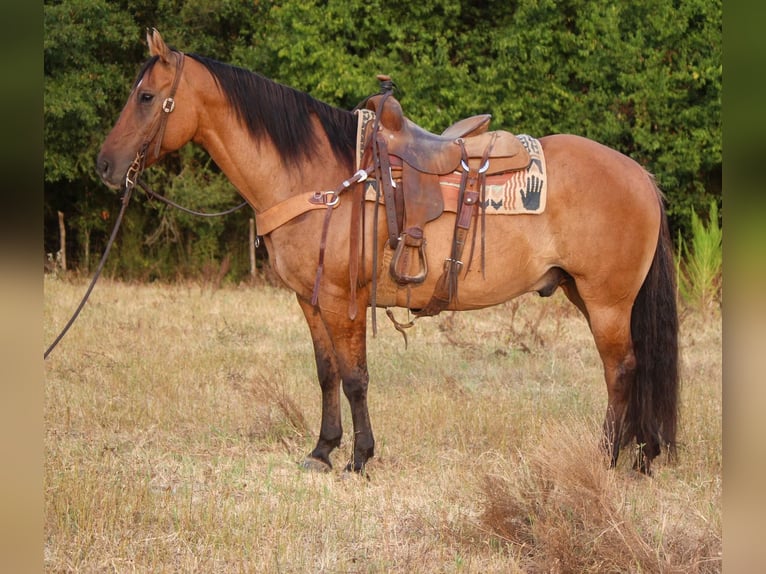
176,419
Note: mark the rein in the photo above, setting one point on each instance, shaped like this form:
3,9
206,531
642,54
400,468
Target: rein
168,105
128,190
153,195
131,179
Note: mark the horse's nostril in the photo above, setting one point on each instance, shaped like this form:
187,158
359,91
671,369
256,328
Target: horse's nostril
102,167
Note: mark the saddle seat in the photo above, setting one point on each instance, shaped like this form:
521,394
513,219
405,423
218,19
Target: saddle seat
468,127
440,154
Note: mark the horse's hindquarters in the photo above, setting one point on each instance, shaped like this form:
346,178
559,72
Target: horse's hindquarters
604,216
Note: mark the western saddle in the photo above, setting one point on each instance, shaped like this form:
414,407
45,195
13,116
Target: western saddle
408,162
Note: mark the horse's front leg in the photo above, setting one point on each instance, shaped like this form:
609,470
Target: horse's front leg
328,373
340,351
352,356
349,339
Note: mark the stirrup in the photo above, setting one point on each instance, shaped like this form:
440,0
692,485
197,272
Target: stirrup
417,241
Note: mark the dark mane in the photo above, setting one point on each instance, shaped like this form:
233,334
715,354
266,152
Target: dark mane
282,113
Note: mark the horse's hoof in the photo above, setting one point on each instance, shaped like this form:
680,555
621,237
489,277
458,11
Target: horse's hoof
315,465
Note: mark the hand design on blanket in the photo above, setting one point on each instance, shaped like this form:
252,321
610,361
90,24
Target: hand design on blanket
531,196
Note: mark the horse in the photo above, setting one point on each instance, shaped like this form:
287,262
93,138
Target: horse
603,239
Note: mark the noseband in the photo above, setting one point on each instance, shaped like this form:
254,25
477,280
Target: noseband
158,130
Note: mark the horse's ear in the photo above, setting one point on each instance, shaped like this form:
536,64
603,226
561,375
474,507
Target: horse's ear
157,46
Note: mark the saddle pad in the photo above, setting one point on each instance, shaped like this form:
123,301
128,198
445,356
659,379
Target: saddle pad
364,117
521,191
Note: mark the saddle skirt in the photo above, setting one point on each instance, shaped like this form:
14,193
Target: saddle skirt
519,191
509,193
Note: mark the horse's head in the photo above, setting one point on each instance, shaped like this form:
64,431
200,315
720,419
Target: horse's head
158,117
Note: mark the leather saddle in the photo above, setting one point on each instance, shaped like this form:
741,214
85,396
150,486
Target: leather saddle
410,161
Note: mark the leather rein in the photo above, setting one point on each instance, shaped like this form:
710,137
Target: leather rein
131,179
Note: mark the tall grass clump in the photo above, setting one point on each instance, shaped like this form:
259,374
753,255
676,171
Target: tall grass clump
699,265
558,508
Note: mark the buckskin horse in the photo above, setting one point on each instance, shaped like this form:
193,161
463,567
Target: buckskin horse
602,238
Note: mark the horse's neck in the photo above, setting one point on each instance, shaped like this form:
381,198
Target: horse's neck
255,168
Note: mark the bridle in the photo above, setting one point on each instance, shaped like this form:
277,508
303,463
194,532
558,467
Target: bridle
158,133
158,129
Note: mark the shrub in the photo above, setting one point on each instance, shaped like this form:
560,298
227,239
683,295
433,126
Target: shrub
700,265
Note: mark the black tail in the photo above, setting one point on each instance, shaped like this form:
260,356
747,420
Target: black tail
652,412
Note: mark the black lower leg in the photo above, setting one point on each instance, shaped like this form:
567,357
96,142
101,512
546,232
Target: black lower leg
355,389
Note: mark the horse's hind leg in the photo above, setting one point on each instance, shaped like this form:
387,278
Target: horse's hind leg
570,290
610,326
331,431
611,331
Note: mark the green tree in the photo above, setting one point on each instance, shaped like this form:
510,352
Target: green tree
644,78
84,63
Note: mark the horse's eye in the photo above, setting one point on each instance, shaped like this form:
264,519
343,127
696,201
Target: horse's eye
145,98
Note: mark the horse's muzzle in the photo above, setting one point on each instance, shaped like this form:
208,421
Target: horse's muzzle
106,172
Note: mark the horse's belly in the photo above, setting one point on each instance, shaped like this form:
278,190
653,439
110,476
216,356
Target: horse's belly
514,259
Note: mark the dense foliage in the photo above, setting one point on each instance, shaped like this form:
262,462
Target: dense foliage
644,78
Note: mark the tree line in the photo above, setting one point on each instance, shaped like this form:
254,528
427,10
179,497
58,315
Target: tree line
642,77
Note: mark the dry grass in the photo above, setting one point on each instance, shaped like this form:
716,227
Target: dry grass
176,419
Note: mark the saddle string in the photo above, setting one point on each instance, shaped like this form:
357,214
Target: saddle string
469,193
458,239
481,215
